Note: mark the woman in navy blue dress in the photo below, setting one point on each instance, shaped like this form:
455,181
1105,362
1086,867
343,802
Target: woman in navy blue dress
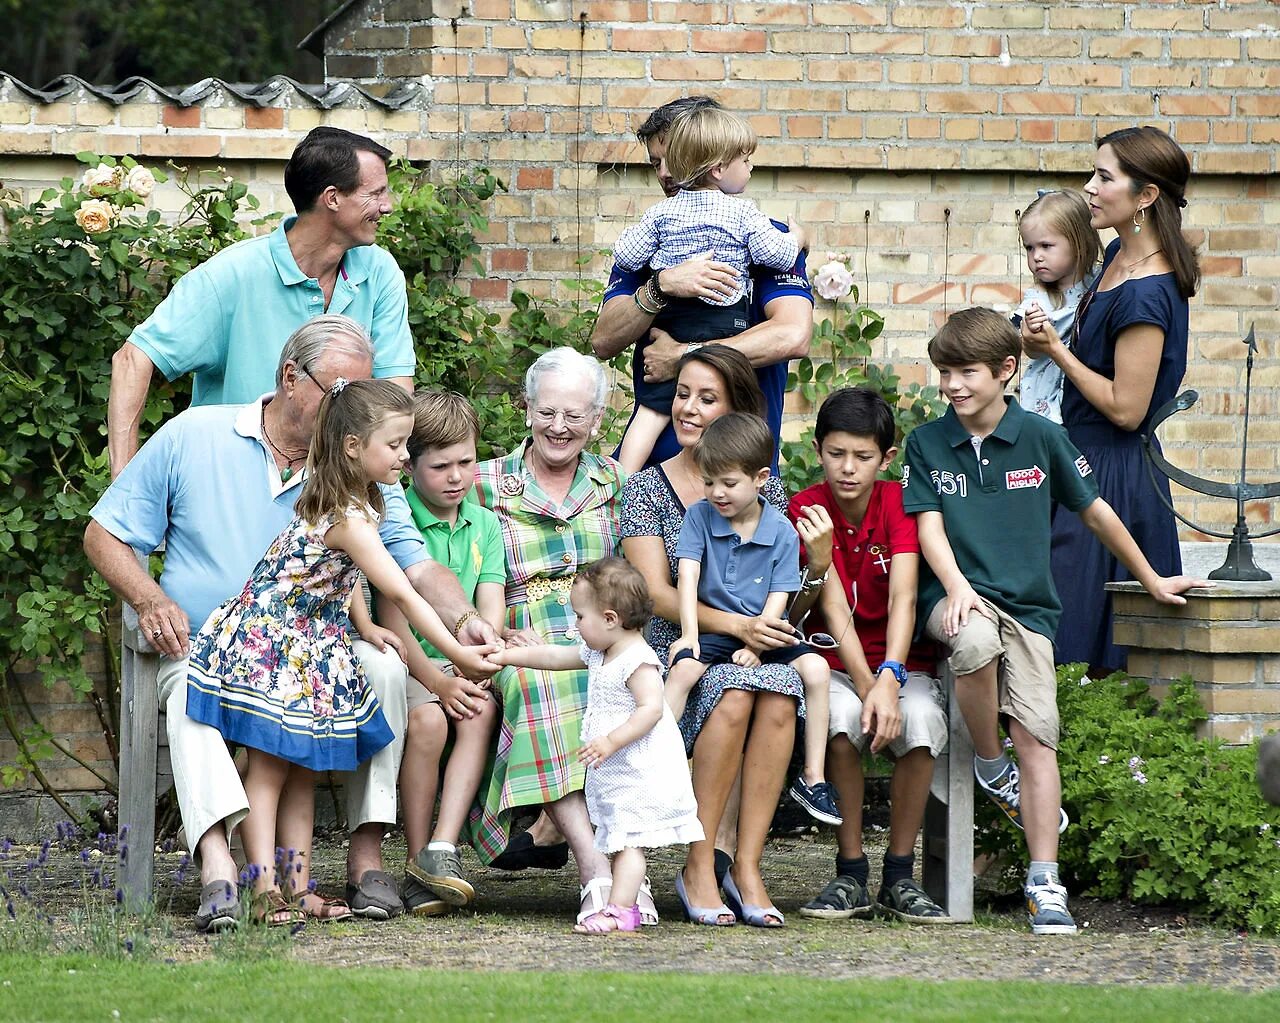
1128,359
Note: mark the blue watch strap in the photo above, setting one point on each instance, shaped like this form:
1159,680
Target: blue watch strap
899,671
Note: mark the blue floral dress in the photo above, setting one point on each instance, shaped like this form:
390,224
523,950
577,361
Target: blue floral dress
273,667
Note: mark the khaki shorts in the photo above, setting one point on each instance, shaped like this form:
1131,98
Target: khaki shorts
417,695
1027,682
924,721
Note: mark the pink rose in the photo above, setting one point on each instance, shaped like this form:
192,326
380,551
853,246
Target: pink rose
833,281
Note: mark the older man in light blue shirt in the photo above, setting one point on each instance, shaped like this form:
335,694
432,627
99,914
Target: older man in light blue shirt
217,484
227,320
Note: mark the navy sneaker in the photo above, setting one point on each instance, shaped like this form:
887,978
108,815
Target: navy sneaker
1047,906
1006,793
818,800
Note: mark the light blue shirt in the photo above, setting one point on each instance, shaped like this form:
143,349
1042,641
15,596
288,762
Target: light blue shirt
227,320
738,576
207,486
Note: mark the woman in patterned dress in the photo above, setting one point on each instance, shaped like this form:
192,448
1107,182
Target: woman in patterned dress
558,506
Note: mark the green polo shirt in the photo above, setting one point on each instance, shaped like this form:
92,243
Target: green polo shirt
996,506
472,549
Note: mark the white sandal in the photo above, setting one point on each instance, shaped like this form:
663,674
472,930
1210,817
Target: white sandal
595,896
648,909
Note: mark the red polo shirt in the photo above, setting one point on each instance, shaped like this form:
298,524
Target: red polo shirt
862,555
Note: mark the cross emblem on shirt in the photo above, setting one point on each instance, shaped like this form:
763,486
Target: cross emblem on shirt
881,560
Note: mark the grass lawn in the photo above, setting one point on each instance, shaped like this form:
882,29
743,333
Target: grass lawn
38,988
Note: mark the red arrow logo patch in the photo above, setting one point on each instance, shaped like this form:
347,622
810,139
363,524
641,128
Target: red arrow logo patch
1024,479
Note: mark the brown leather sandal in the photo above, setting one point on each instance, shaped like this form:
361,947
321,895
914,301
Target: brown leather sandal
326,910
274,910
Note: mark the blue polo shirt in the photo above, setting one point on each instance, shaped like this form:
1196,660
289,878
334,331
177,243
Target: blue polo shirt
206,484
227,320
766,285
738,576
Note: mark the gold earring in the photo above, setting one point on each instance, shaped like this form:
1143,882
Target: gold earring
1137,225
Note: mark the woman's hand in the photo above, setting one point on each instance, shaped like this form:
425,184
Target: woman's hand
1168,589
816,531
521,637
597,751
377,636
1039,338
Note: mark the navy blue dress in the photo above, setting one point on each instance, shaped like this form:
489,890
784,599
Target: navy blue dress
1080,564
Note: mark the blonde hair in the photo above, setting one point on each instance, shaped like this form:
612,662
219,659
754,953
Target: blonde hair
705,137
440,420
335,480
618,586
1067,213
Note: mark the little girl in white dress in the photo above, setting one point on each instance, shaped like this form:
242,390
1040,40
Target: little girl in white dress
638,790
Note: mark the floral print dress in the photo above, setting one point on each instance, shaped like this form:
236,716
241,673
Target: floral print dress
273,667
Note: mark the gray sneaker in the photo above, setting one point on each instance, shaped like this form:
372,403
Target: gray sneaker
841,899
1047,906
907,901
419,900
441,871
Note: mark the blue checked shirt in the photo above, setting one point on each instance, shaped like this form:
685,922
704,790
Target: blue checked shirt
731,228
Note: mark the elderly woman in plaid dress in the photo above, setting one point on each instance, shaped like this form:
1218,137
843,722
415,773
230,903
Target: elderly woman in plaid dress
558,506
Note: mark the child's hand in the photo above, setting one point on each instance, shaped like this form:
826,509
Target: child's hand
689,643
744,657
960,604
597,751
1168,589
1038,335
377,636
816,530
798,232
1035,318
460,697
476,661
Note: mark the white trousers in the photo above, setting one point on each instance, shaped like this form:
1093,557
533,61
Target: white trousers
208,785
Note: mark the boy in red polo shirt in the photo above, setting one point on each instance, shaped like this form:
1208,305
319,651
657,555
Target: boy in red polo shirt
857,535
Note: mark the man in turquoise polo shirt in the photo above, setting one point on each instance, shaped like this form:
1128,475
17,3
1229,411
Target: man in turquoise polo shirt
227,320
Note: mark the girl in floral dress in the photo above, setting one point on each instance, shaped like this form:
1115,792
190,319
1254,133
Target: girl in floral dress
273,668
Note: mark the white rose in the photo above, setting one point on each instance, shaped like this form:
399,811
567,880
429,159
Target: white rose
102,179
833,281
140,182
95,216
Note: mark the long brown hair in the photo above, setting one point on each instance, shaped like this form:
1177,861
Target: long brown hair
1150,157
742,389
1068,214
335,480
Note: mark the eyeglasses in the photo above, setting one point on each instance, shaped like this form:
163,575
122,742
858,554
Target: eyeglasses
311,376
547,416
826,641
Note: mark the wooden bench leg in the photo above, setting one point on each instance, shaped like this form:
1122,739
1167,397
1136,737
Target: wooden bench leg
138,727
948,828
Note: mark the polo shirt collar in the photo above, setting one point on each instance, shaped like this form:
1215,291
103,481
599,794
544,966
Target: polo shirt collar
352,271
424,518
248,424
1007,430
872,514
766,531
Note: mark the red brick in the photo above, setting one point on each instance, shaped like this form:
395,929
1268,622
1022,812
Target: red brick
491,288
916,294
805,127
571,39
268,118
614,10
828,13
728,41
181,117
845,70
690,14
1197,105
886,42
534,177
489,65
764,69
805,99
1036,131
509,259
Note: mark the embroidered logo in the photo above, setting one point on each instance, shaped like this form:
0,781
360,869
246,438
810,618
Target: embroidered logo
1024,479
880,556
1083,467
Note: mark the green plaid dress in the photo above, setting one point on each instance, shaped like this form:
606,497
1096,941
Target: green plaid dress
535,759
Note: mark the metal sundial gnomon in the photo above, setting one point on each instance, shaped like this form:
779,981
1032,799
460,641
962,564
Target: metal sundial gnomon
1239,565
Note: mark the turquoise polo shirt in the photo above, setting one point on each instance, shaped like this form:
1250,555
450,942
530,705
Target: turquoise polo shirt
472,548
207,486
227,320
996,504
739,575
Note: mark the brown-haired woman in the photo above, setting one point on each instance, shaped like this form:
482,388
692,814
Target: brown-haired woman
1128,359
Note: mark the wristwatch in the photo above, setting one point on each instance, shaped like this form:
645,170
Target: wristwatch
899,671
809,584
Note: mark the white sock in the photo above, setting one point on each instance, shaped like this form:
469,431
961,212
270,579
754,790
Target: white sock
441,847
990,770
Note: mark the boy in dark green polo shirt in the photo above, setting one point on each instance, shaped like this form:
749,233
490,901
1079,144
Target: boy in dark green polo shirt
982,480
468,539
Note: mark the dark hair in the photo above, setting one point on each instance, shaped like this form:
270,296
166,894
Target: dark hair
327,156
441,419
1150,157
737,440
658,123
859,411
976,335
618,586
335,480
742,389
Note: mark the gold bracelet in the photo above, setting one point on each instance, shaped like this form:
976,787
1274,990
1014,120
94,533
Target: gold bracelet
466,617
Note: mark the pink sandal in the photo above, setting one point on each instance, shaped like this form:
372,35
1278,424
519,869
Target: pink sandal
610,919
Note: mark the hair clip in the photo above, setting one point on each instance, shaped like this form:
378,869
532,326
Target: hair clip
1042,192
338,386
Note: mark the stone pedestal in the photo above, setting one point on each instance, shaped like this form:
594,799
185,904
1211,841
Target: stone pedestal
1227,639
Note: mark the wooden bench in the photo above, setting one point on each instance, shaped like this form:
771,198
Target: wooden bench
947,842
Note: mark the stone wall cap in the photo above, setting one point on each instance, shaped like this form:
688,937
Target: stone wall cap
1266,588
277,91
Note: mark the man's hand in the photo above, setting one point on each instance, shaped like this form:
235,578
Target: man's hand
460,697
478,632
882,712
798,233
165,626
816,531
662,356
699,277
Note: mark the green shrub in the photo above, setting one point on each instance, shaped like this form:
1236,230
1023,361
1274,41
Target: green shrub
1157,814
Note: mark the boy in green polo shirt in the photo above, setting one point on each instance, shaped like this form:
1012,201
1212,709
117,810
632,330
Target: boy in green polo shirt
982,480
468,539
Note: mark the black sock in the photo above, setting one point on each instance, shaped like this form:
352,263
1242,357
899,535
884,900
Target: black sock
856,869
897,867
